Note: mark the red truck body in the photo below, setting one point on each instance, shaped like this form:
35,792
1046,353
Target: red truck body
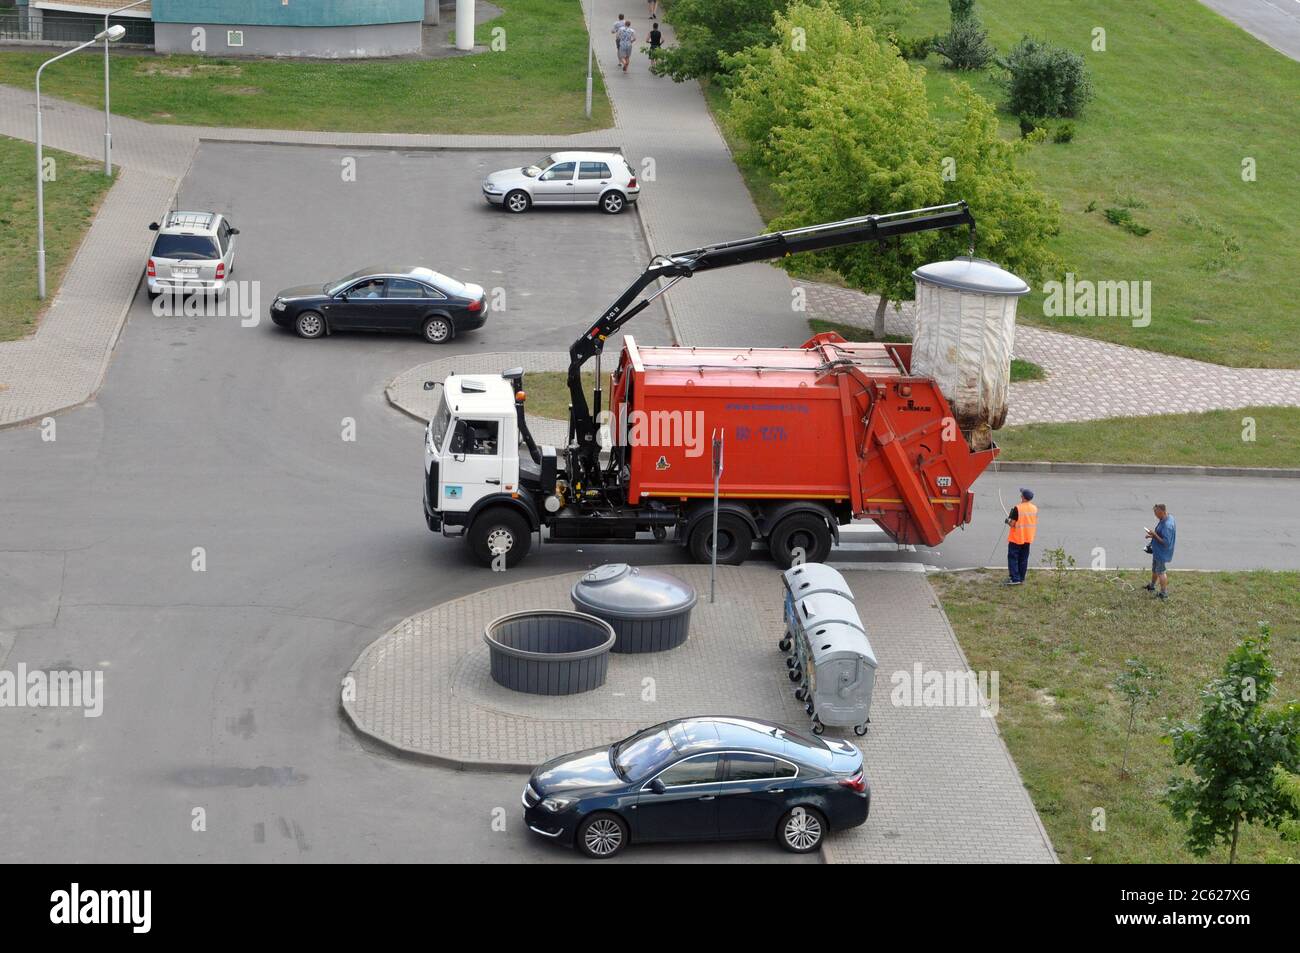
842,423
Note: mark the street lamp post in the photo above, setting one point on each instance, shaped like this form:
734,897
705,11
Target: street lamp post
112,34
591,51
108,132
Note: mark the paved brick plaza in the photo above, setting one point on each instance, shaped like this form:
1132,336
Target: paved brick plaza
945,787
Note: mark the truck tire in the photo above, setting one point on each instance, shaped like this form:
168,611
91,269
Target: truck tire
734,533
498,530
804,531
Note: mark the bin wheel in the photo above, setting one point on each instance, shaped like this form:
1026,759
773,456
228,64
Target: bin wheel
784,645
793,675
791,662
810,711
859,730
799,693
817,726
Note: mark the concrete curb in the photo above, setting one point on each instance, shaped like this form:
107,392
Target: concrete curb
427,757
1144,469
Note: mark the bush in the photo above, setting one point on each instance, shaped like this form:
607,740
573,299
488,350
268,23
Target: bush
917,47
967,44
1045,80
1064,132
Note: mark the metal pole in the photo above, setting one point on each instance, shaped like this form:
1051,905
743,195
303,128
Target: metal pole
40,162
717,479
108,132
591,51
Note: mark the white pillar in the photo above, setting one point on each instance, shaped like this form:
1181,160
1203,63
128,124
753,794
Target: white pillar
464,24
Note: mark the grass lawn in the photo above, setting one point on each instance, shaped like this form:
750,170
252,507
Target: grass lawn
536,85
1020,370
1210,439
1058,646
1183,97
71,201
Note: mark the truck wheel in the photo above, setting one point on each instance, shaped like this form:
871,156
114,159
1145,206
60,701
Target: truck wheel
734,540
799,531
499,531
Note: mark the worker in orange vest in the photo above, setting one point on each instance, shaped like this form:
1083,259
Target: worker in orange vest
1023,520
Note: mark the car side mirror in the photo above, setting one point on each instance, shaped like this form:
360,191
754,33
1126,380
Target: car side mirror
234,231
458,438
430,385
153,226
658,786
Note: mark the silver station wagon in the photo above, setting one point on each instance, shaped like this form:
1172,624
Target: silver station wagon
193,252
603,179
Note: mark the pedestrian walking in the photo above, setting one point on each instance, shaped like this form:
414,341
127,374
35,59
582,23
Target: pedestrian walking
1023,520
626,37
656,39
1161,549
618,25
654,9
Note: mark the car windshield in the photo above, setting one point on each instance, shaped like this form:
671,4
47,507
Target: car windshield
185,248
533,171
334,287
637,756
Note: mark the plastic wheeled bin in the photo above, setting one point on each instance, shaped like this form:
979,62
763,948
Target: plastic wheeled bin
813,593
841,674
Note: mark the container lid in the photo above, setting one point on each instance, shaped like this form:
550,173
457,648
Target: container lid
628,592
809,578
977,275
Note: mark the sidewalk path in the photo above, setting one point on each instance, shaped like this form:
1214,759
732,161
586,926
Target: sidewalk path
1275,22
1089,379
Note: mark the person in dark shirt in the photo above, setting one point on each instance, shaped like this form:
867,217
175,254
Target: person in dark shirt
656,39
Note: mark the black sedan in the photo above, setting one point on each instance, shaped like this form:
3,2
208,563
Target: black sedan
703,778
414,299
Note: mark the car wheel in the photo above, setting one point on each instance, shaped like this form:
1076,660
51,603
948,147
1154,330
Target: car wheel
799,532
309,324
612,202
602,836
517,201
801,830
437,330
734,540
500,531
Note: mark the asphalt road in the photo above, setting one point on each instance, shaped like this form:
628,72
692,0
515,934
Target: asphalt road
221,686
1276,22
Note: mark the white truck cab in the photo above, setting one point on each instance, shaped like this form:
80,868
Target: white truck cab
471,453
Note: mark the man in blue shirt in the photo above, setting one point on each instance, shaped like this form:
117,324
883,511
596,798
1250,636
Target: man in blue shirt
1162,550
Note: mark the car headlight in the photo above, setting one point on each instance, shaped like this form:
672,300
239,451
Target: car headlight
557,804
278,305
489,187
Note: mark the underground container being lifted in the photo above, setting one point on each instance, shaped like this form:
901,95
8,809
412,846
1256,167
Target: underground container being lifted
649,610
549,651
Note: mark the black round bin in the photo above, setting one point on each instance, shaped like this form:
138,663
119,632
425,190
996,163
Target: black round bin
549,651
649,610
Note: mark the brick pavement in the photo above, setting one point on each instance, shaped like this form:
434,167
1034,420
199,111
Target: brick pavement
945,787
1089,379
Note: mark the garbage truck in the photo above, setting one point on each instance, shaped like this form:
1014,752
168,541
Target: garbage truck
810,438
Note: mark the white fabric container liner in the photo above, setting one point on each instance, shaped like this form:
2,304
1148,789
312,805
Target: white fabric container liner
965,331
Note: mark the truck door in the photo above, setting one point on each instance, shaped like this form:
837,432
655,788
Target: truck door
472,463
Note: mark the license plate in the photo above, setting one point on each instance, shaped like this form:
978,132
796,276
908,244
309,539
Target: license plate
185,272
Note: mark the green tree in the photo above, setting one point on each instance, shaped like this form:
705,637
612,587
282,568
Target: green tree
845,128
710,30
1233,751
1139,684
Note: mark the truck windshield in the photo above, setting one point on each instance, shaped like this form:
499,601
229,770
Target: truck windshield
441,420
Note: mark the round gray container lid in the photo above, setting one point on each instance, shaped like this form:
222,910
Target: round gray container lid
977,275
627,592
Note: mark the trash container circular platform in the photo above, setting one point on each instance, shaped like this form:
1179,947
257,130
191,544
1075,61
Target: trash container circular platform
649,610
549,651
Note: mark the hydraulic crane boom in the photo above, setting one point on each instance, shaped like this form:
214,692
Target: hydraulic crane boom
854,231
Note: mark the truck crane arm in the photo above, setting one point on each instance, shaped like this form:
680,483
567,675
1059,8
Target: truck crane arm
771,245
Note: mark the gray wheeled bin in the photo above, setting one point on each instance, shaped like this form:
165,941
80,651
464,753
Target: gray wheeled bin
823,626
841,674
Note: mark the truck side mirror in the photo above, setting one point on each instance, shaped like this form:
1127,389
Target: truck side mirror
458,438
153,226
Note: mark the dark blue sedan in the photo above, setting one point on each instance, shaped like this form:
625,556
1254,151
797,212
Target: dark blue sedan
703,778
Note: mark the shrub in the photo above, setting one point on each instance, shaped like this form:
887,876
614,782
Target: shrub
1124,219
917,47
1064,132
1045,80
967,44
